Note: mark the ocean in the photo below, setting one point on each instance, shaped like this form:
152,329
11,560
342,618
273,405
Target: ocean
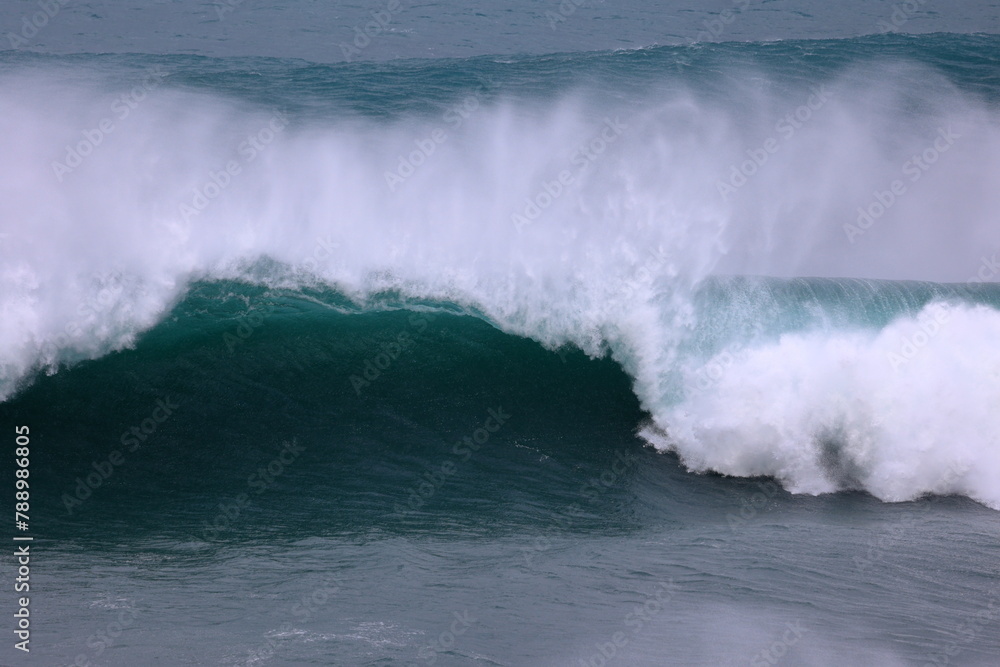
576,334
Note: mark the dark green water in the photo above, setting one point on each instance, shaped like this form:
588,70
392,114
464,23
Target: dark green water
549,535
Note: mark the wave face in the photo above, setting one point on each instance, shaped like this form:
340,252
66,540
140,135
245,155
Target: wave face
596,201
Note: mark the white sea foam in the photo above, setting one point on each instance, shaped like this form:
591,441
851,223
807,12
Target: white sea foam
905,411
94,254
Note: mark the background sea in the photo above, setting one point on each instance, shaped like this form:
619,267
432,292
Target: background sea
511,333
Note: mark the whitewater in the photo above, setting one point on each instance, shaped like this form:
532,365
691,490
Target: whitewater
739,244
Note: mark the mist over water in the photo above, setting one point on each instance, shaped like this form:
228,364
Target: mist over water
523,334
564,216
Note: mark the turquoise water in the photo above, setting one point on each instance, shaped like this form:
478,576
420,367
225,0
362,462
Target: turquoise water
503,345
360,548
